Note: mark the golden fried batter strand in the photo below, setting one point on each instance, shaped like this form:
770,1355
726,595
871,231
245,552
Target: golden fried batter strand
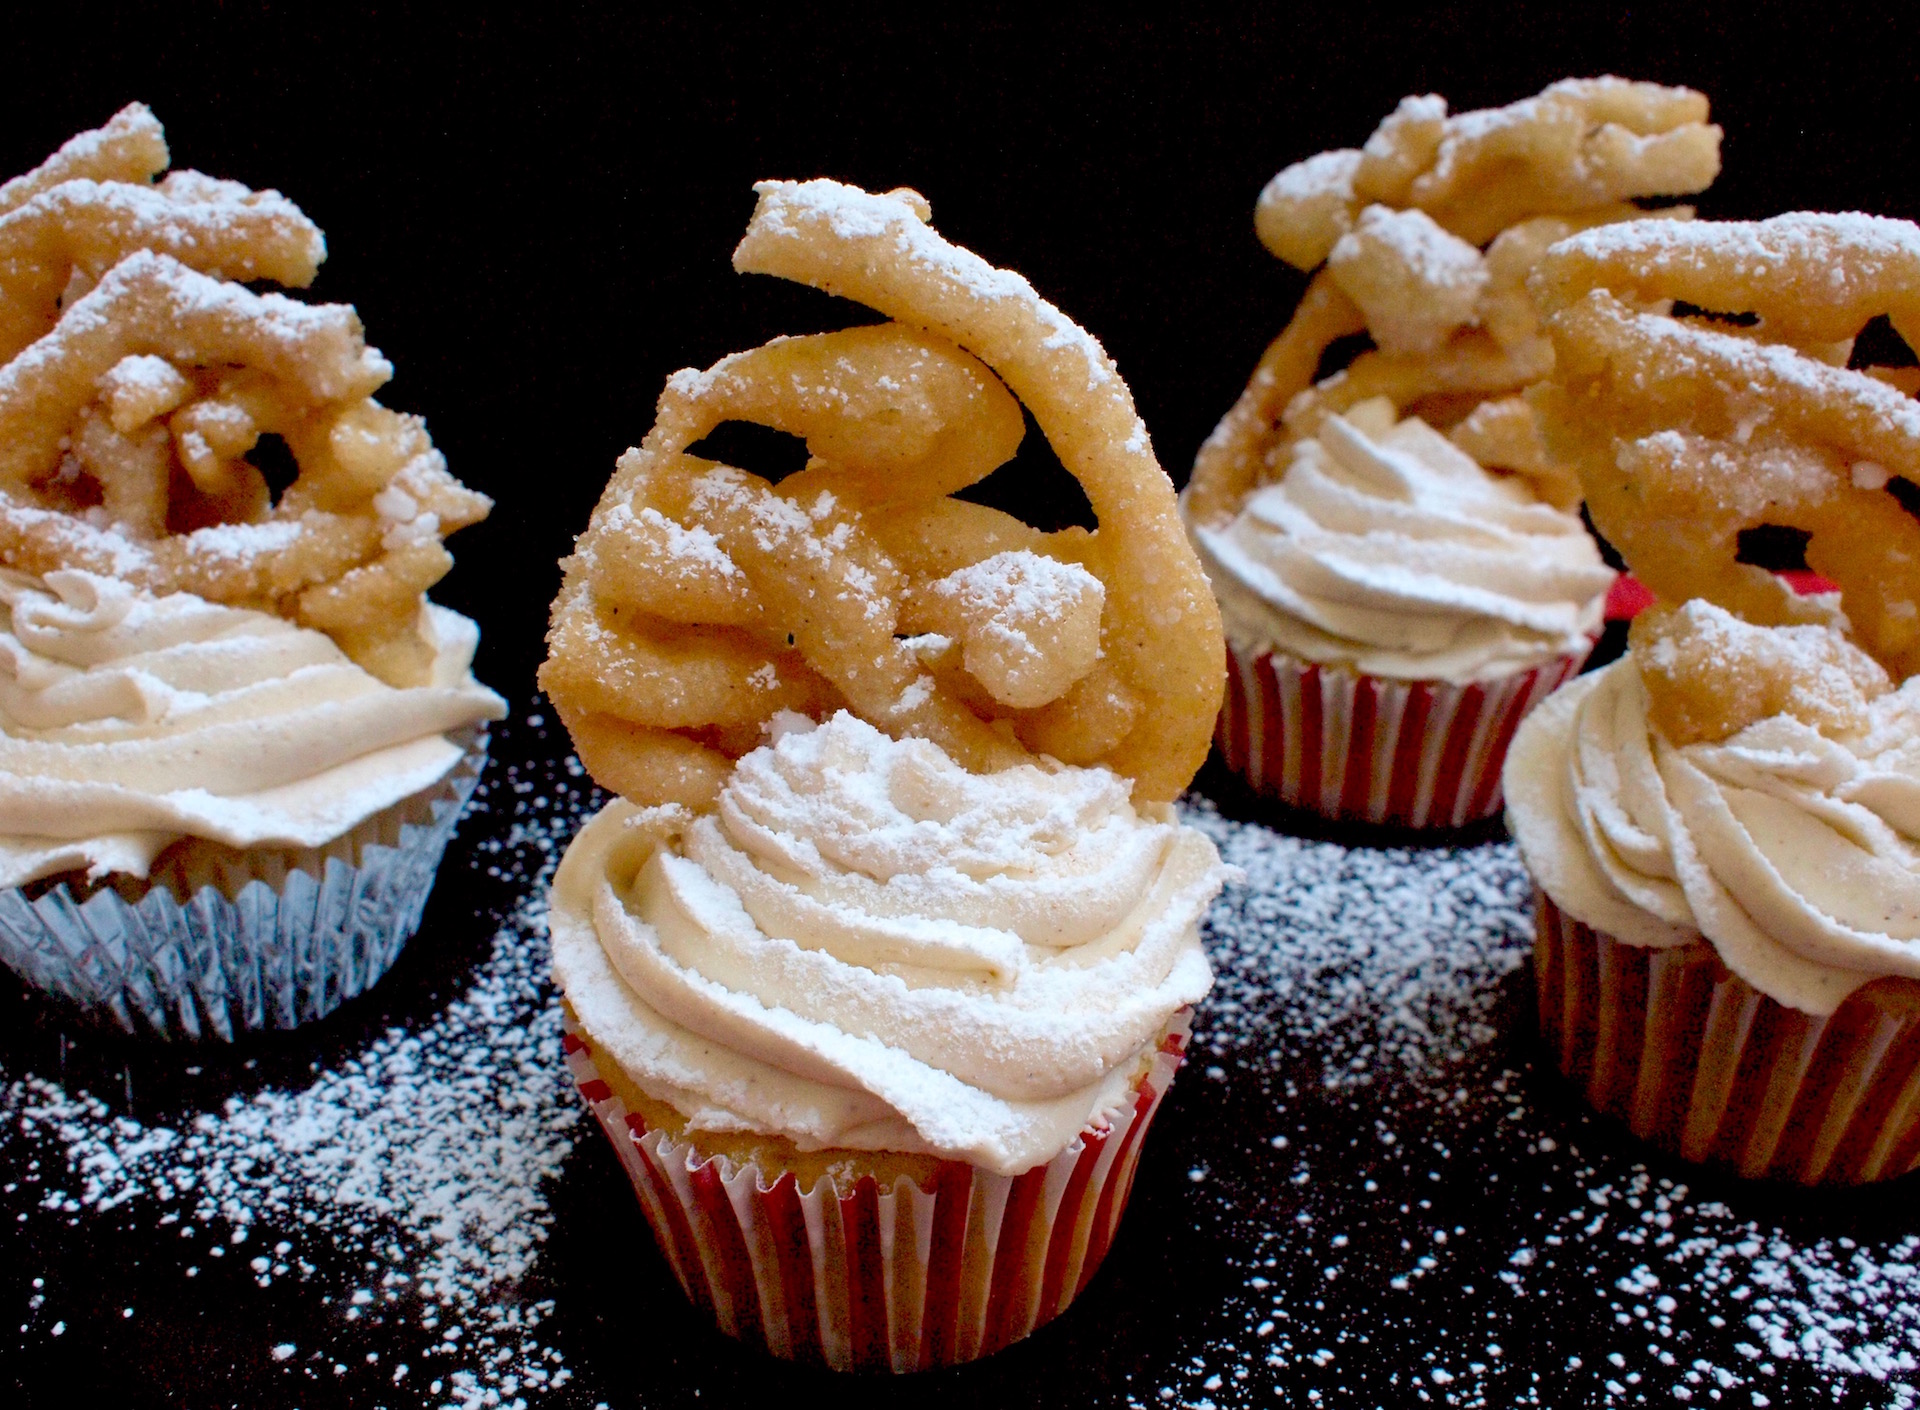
702,599
150,305
1505,435
1580,143
1683,437
1161,625
715,550
1400,224
1414,282
1439,386
1709,675
1241,452
57,245
131,147
124,433
93,203
1028,625
1811,278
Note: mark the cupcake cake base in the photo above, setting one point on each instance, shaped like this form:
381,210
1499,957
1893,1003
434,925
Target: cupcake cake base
859,1277
1697,1061
219,941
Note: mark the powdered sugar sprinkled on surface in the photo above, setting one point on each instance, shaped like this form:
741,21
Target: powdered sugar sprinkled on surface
787,207
1325,174
1364,1189
424,1159
1433,256
1420,1215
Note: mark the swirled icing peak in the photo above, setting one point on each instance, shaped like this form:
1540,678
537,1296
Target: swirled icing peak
128,721
1795,851
868,947
1387,549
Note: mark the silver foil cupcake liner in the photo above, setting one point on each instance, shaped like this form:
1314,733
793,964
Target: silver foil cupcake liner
219,941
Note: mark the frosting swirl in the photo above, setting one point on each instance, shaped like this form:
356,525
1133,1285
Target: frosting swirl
1386,548
1796,854
867,947
128,721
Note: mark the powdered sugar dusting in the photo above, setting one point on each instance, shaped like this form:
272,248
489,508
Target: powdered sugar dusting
184,210
1323,175
131,146
1429,253
1878,249
1022,586
424,1160
787,207
318,342
1419,1214
1364,1189
242,542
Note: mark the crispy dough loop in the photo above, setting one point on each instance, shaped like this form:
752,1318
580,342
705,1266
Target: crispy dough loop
1399,225
1577,145
1161,627
772,598
859,582
1811,278
1239,455
1685,435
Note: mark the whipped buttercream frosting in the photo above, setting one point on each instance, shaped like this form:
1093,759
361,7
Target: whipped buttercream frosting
1796,854
866,947
1387,549
129,721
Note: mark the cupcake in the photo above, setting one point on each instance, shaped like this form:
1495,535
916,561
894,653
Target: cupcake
234,735
1722,824
1392,612
1399,562
879,969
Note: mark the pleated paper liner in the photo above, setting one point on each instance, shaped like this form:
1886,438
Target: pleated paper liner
1698,1062
860,1276
221,941
1364,748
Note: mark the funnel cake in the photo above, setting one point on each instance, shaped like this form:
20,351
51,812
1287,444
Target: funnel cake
1400,563
223,710
879,968
1723,824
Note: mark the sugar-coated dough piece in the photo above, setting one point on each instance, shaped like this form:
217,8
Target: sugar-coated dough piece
1686,433
1400,225
859,582
136,383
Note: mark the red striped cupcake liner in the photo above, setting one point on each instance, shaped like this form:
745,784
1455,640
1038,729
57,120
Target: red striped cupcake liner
872,1279
1344,745
1697,1061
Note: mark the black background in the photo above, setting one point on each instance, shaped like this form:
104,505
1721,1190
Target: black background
534,215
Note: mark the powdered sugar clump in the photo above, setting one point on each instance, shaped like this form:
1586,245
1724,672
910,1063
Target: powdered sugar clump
1432,256
1325,175
1023,584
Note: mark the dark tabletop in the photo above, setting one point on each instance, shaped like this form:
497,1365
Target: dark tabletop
1363,1189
